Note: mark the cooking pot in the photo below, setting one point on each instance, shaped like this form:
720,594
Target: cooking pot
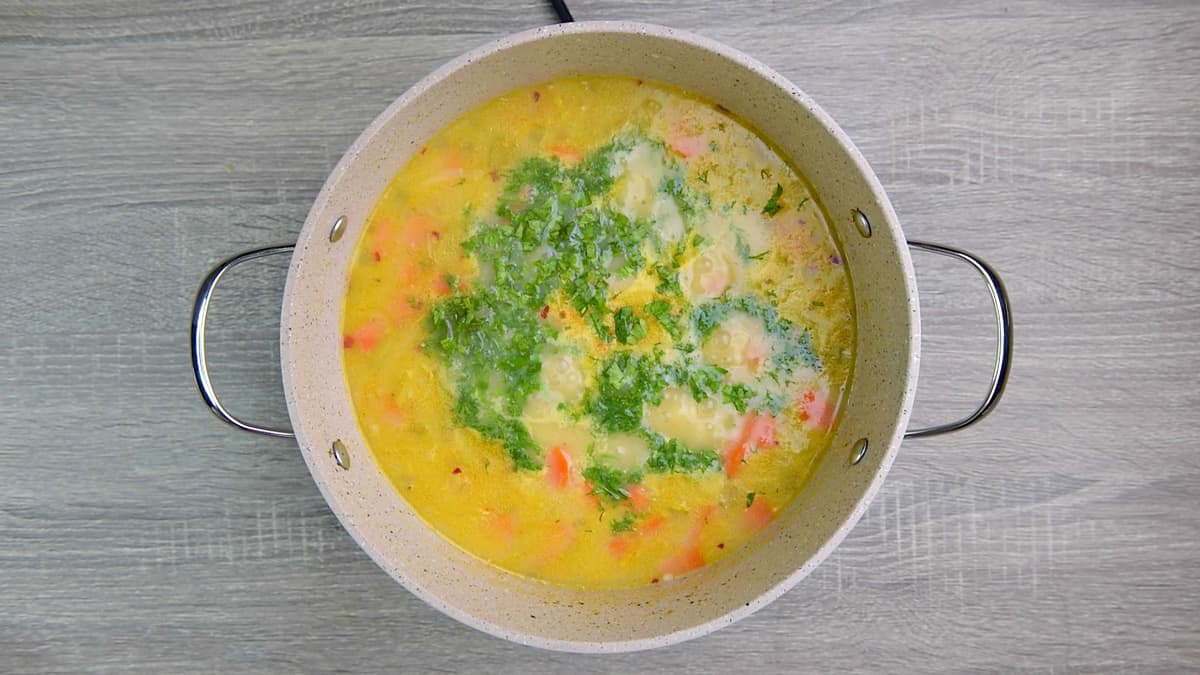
875,414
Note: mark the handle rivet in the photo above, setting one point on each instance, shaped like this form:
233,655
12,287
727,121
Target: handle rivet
858,451
340,454
861,222
338,229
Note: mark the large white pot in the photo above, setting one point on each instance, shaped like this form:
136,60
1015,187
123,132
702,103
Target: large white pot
531,612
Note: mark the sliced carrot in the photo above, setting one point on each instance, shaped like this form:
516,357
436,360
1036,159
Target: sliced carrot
392,412
562,536
558,467
639,498
568,154
453,164
815,410
653,525
688,146
366,336
759,514
733,459
383,236
418,230
682,563
762,431
501,525
620,545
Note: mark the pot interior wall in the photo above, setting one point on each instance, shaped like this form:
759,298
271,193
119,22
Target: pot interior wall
533,612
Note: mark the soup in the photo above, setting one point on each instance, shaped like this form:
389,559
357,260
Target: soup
597,332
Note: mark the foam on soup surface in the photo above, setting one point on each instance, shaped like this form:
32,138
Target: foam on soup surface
597,332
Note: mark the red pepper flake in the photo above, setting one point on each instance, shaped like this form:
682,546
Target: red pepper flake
545,311
494,175
348,342
562,314
639,83
654,580
835,259
456,471
436,235
423,149
536,97
721,545
378,257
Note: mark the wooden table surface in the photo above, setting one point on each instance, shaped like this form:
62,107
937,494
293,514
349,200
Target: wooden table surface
142,141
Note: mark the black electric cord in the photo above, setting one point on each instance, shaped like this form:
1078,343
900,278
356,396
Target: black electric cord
560,8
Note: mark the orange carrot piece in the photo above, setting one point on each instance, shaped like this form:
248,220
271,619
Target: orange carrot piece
653,525
733,459
815,410
688,146
639,498
502,525
558,467
620,545
682,563
757,432
555,546
392,412
759,514
568,154
366,336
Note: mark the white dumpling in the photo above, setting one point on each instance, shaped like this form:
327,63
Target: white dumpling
708,424
740,345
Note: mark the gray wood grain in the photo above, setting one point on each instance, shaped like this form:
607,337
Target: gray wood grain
140,142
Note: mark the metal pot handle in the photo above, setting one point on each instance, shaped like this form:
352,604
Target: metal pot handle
1004,340
199,356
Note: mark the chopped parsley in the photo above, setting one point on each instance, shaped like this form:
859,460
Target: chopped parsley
622,524
629,327
749,499
773,206
609,482
625,383
556,237
661,311
669,454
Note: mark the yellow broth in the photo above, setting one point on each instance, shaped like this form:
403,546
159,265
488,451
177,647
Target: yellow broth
597,332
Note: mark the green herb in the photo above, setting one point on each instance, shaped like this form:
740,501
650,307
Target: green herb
712,145
629,327
702,379
773,206
738,396
758,256
622,524
668,280
610,482
749,499
661,311
626,382
741,247
670,455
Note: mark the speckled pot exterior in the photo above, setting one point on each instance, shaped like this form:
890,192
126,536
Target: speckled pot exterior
536,613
